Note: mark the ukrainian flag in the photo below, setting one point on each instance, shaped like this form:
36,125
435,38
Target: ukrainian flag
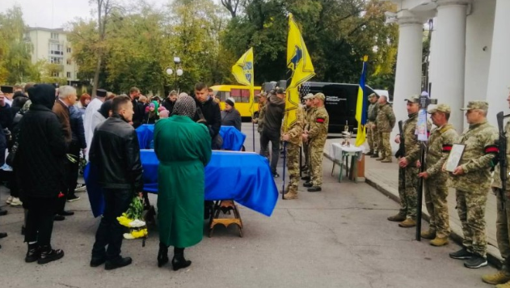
299,61
361,106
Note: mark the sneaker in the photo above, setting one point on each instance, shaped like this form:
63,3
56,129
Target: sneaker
16,202
462,254
73,198
476,262
9,200
500,277
80,188
48,255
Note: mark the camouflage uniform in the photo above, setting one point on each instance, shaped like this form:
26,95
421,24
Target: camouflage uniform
385,122
319,121
473,185
260,120
306,149
295,131
372,135
436,190
408,176
503,218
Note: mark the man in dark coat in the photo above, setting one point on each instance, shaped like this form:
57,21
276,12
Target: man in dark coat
170,101
116,154
77,144
138,108
273,116
41,156
208,113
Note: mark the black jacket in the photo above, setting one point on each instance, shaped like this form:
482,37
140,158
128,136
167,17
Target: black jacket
232,118
169,105
139,109
41,154
18,100
77,129
273,116
212,115
116,153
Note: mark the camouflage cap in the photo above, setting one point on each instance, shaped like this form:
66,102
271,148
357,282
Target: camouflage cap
319,96
280,91
309,96
483,105
439,108
413,99
373,95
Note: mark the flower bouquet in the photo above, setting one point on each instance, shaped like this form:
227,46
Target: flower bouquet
132,219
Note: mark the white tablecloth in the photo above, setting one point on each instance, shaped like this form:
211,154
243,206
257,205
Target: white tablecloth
336,150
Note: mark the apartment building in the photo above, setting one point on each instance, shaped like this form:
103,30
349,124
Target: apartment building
52,45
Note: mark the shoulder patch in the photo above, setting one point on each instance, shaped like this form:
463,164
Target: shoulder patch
320,120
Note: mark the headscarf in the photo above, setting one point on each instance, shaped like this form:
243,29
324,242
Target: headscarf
105,108
185,106
156,107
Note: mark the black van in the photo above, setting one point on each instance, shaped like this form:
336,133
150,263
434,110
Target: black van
341,99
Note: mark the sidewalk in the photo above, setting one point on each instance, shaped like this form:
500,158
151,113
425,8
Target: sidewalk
384,177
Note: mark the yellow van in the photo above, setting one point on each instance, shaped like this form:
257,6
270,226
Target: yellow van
240,94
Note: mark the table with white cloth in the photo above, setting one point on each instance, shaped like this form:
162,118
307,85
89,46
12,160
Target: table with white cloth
341,154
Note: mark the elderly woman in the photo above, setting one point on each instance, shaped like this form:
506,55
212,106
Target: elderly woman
183,148
230,116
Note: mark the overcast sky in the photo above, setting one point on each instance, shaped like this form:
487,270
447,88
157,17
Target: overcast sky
55,13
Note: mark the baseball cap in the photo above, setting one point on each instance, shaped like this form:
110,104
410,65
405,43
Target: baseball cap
483,105
439,108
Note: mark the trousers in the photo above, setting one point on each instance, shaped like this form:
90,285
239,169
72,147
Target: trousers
39,219
273,137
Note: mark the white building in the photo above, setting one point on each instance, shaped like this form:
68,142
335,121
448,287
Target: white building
52,45
470,55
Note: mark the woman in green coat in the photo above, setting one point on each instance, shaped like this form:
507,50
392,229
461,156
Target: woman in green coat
183,148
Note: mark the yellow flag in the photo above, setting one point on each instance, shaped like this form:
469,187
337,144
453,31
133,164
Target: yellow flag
299,61
244,74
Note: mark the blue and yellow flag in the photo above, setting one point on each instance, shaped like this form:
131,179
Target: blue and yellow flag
361,106
244,74
299,61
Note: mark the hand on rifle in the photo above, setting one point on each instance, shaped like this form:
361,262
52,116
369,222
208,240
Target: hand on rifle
397,139
305,137
424,175
458,171
403,162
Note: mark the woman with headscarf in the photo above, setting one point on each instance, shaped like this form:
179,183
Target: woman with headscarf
151,113
230,116
183,148
102,114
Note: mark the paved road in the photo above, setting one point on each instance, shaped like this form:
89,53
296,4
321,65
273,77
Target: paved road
336,238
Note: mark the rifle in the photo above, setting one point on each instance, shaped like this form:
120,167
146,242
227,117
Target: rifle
401,152
502,142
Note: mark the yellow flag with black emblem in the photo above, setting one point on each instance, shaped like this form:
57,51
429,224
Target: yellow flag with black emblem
300,63
243,72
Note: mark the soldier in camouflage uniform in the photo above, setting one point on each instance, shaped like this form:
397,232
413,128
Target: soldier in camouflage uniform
436,191
472,179
408,171
307,111
316,136
502,277
372,135
385,122
262,108
293,138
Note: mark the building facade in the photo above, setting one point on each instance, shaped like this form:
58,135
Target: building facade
52,45
469,54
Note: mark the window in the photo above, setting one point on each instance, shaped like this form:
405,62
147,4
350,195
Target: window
56,49
54,36
222,95
56,60
68,74
69,62
68,49
240,95
54,74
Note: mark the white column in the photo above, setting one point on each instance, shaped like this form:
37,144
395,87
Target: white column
499,71
409,63
449,51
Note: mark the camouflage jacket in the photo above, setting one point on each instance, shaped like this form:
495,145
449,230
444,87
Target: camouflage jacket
260,120
296,129
385,120
318,122
438,148
412,145
480,149
496,183
372,111
309,112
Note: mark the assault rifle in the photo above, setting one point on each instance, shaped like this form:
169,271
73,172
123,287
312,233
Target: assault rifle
502,142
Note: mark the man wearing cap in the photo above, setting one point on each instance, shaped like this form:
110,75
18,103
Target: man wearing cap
372,128
408,171
436,191
293,138
230,116
91,109
316,138
307,111
273,116
262,100
472,180
385,122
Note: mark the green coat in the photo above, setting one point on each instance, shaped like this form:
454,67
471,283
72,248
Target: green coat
183,148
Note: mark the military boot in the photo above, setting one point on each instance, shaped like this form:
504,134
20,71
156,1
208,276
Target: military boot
387,160
500,277
506,285
375,155
380,158
397,218
439,241
429,234
292,194
408,223
370,153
